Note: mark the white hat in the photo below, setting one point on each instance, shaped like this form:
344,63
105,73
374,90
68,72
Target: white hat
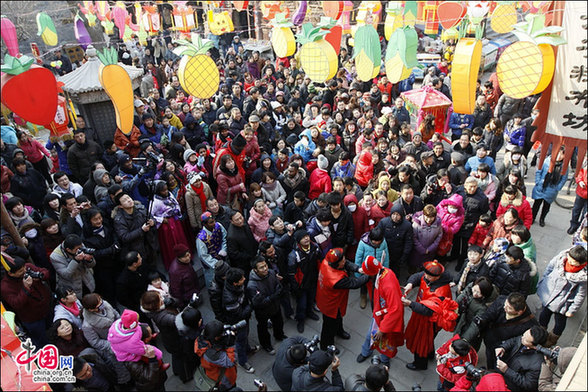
386,110
276,105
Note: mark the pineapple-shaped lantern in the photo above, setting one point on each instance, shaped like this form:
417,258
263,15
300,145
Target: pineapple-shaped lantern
198,73
504,17
526,67
283,41
318,58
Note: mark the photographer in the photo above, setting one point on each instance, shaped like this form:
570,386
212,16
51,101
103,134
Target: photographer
311,377
291,354
553,369
376,377
218,364
73,265
28,296
519,361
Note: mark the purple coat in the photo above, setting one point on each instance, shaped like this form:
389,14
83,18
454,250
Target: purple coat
183,281
426,239
126,344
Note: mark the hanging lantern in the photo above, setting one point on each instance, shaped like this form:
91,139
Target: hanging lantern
81,32
450,14
183,18
8,32
394,18
269,9
464,74
46,29
431,18
151,22
220,22
59,126
103,10
345,19
333,9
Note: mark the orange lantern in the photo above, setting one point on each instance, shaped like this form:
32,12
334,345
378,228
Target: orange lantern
431,18
183,19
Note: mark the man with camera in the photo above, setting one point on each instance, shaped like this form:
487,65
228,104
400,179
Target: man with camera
25,292
291,355
376,377
218,364
73,264
520,361
554,367
312,377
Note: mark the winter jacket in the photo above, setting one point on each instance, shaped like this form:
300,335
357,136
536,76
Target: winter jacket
264,293
73,273
34,150
469,309
364,171
504,167
581,189
147,374
259,223
126,343
183,281
303,268
165,321
333,156
303,381
524,365
365,248
492,141
560,291
475,271
456,120
229,188
276,196
129,232
500,230
515,135
236,305
482,116
474,205
547,192
30,187
213,359
96,325
193,206
342,229
320,182
81,157
241,247
426,239
510,278
347,170
451,223
304,149
521,204
409,209
359,216
453,368
282,368
29,305
398,236
479,235
105,246
473,163
507,107
322,236
60,312
130,286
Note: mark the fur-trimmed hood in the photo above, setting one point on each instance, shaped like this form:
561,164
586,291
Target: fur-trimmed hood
516,203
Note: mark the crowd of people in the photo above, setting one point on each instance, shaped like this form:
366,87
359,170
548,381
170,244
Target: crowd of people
277,196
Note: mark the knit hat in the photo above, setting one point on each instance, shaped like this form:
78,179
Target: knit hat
371,265
253,118
123,158
14,264
319,361
322,162
206,216
433,268
417,133
180,250
334,255
239,142
300,234
188,153
129,319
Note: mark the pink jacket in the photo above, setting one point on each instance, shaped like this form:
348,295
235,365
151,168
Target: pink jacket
126,344
259,223
451,222
34,150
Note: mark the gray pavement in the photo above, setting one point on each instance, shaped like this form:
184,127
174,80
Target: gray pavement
549,241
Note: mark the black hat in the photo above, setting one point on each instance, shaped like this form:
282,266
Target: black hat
319,361
300,234
239,142
123,158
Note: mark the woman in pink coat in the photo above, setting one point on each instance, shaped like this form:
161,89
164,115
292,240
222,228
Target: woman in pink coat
320,181
452,214
259,217
35,153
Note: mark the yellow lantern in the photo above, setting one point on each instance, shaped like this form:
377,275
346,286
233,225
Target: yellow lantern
464,75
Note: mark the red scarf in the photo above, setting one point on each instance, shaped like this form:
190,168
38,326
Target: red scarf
73,310
200,192
573,268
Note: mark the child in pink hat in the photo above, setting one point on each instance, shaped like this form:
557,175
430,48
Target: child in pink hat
125,337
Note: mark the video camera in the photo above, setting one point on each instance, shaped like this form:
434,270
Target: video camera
376,360
473,372
88,251
194,301
33,274
551,354
230,329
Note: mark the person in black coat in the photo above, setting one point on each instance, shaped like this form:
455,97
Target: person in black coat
475,204
131,282
294,210
81,155
215,290
264,291
241,244
28,184
399,236
442,158
290,355
512,273
294,180
93,374
342,221
219,213
408,202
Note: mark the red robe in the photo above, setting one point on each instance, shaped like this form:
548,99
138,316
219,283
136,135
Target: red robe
330,300
388,312
421,329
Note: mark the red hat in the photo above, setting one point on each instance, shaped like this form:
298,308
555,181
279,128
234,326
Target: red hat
334,255
433,268
129,319
371,265
180,250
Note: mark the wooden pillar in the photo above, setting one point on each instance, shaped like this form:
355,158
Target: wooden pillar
8,225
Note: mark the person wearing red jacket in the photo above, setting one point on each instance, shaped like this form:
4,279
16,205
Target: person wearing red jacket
217,356
432,311
335,279
236,149
513,197
481,231
581,202
319,180
364,170
451,361
387,328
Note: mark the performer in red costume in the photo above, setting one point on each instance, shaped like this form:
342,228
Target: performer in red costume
386,333
235,149
336,277
432,311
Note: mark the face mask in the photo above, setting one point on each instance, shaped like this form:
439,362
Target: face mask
516,157
31,233
352,207
452,210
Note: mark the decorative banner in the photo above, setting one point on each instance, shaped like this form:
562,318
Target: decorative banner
29,90
317,57
568,116
198,73
8,32
283,41
464,74
47,29
300,14
117,84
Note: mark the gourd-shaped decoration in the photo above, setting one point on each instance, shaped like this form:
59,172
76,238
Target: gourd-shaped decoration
81,32
47,29
198,73
368,53
526,67
401,54
300,14
8,32
394,18
504,17
318,58
116,82
464,74
283,41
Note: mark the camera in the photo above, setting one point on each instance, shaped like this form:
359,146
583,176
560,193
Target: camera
33,274
551,354
474,372
376,360
194,301
88,251
258,383
417,387
230,329
312,345
331,349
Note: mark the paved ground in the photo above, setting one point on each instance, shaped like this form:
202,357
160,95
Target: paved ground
549,240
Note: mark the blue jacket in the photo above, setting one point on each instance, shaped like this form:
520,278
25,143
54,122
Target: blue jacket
474,162
401,115
517,136
549,192
9,135
61,155
457,119
305,151
154,137
365,248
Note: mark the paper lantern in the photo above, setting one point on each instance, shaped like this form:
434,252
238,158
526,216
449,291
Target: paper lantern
183,18
333,9
283,41
60,124
269,9
464,74
450,13
29,90
334,38
117,84
46,29
151,22
345,19
401,54
81,32
526,67
220,23
367,53
240,5
367,10
504,17
108,26
8,32
198,73
89,12
119,17
103,10
394,18
300,14
317,57
410,13
431,18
